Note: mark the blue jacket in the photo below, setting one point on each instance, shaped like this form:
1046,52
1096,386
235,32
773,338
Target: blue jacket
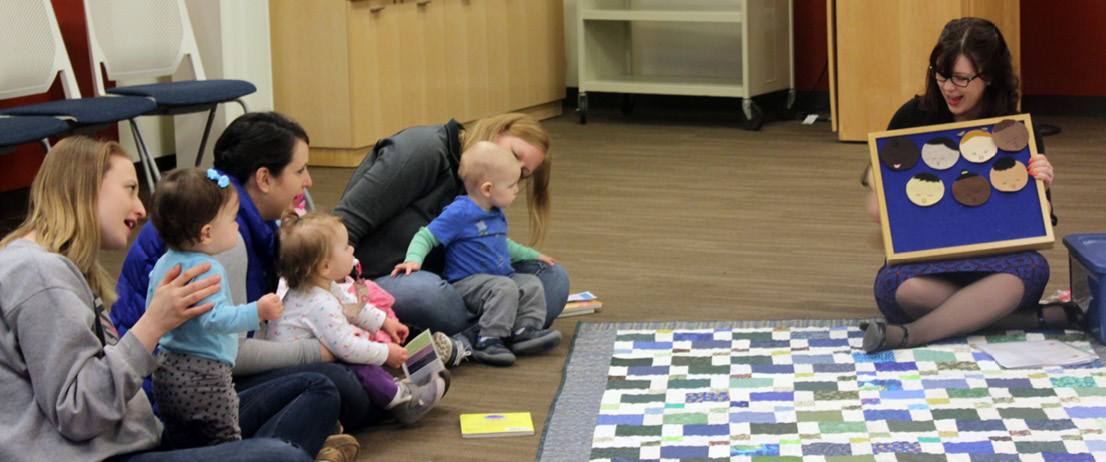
258,235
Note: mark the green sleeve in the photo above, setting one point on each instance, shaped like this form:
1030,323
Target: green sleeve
520,252
421,245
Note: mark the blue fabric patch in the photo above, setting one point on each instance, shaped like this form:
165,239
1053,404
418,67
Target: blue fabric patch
1009,383
902,394
653,345
773,368
944,384
647,370
711,345
706,430
886,414
1083,412
619,419
980,425
684,452
828,342
971,447
753,417
812,359
772,396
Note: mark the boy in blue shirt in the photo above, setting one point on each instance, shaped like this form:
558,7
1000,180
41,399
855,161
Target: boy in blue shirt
478,258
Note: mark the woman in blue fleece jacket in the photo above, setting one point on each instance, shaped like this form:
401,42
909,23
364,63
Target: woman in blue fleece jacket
265,155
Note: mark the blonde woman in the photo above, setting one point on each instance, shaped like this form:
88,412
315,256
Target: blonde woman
72,387
406,181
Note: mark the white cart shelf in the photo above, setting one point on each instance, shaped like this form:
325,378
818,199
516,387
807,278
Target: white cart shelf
606,50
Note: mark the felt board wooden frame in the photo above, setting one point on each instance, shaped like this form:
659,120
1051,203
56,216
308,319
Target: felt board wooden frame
1006,222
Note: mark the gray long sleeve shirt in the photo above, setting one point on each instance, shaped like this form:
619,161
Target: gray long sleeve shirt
400,186
65,396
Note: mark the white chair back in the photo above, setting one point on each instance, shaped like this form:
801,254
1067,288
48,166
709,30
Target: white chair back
137,39
32,52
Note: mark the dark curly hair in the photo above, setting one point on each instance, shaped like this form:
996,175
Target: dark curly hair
982,43
185,200
255,140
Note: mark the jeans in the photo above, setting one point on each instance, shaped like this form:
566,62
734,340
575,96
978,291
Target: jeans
426,301
356,408
281,420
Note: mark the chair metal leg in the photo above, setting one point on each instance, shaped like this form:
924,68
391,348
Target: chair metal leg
243,103
207,131
148,165
45,143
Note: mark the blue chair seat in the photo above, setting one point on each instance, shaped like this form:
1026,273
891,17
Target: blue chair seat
88,111
189,92
19,130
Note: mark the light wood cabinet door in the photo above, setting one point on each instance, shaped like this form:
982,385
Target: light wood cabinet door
882,50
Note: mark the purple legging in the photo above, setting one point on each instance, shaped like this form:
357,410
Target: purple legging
378,383
1029,266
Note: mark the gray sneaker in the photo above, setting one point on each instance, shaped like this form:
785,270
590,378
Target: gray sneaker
530,340
420,399
491,350
452,351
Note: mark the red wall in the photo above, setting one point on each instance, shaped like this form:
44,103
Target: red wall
1063,47
811,54
18,168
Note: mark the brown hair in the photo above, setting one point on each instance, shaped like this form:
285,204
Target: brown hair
982,43
64,207
186,199
304,245
538,198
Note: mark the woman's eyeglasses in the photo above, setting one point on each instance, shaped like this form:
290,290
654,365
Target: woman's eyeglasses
957,80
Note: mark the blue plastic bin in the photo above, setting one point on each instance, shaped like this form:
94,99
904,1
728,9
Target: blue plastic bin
1087,262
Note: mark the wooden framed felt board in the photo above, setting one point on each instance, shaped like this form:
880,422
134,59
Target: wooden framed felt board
958,190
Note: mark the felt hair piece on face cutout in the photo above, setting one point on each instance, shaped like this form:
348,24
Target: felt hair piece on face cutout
1009,175
971,189
977,146
925,189
899,153
940,153
1011,136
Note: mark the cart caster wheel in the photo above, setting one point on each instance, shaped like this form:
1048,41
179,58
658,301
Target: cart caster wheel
786,113
629,102
754,116
582,108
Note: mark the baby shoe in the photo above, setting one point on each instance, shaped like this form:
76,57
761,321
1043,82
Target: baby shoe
491,350
531,340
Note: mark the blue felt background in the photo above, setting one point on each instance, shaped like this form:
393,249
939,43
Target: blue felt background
1005,216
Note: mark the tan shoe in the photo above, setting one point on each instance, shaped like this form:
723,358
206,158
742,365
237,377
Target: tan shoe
339,448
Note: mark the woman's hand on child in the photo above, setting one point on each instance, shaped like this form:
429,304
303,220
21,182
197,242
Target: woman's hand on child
395,329
171,304
396,355
1041,169
406,267
546,259
269,307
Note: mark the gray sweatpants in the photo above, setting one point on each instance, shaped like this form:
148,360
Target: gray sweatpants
504,303
197,401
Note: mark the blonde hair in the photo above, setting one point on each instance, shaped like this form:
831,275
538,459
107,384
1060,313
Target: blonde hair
64,208
483,161
304,245
538,197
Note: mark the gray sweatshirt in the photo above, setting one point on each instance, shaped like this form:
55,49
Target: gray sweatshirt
65,396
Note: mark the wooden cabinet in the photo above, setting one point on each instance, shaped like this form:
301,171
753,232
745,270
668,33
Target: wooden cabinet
352,72
879,52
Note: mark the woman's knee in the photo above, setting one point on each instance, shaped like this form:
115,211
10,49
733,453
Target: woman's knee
273,449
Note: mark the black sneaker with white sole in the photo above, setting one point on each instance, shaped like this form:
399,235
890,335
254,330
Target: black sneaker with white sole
530,340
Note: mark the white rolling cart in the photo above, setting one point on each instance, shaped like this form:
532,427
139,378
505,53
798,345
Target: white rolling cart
606,51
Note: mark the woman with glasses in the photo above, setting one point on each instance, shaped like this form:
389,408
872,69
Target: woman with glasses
970,77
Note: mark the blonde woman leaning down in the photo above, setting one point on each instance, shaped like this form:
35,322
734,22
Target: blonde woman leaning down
72,389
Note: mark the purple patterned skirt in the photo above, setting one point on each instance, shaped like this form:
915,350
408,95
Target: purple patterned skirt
1028,266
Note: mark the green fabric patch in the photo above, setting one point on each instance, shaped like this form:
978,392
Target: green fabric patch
612,453
687,361
1095,391
750,360
751,383
955,414
1073,382
958,366
628,384
968,392
774,428
631,362
1032,392
819,416
843,427
934,356
830,395
685,419
815,386
910,426
708,370
682,384
1036,447
630,398
637,430
1022,413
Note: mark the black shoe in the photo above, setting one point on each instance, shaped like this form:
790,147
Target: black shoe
530,340
491,350
1074,314
875,336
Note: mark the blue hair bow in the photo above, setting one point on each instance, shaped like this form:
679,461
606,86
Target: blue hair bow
221,179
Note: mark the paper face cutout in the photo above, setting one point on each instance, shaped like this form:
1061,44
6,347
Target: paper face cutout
1009,135
899,153
925,189
940,153
977,146
971,189
1009,175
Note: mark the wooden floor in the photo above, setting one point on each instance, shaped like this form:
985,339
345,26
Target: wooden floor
677,215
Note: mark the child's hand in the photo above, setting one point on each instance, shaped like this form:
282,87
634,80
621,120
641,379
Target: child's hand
396,355
406,267
395,329
546,259
1041,169
269,307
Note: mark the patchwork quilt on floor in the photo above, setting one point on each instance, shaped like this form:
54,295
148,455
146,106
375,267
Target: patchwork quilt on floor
809,394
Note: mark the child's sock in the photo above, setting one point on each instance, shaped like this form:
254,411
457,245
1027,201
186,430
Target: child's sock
403,394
